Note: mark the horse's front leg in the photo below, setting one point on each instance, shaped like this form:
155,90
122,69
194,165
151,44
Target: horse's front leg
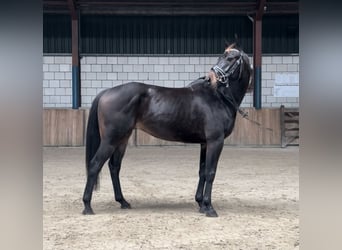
201,182
214,149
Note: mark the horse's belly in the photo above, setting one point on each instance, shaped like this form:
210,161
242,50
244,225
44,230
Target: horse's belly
171,132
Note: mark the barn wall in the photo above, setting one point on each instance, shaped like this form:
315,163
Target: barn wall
100,72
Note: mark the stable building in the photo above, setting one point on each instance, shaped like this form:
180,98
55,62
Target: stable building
91,45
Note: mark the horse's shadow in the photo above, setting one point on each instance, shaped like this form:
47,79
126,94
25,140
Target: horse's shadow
268,208
143,205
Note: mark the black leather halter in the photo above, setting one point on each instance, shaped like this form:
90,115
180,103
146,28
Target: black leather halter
223,76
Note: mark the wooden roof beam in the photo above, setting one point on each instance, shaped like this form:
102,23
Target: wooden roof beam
72,8
260,9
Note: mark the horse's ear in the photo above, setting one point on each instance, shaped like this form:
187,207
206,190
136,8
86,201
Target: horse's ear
237,43
226,44
229,43
231,46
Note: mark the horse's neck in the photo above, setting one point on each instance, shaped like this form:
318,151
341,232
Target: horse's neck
238,91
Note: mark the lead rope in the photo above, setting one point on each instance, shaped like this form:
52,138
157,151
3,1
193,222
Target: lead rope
243,113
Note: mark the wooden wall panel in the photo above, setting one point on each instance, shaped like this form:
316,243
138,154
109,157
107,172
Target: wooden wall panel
67,127
63,127
85,120
247,133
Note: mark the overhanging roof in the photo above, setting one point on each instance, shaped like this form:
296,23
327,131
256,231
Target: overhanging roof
175,7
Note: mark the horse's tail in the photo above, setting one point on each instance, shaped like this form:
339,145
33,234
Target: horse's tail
93,138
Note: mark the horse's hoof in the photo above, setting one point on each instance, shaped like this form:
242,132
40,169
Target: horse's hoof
202,210
125,205
88,211
211,213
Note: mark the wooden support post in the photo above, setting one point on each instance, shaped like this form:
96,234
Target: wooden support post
257,52
76,86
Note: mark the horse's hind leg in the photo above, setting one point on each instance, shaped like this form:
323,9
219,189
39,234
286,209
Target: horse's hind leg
201,182
103,153
114,167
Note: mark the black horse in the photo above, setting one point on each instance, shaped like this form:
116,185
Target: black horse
204,113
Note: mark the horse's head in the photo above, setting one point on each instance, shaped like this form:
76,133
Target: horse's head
232,66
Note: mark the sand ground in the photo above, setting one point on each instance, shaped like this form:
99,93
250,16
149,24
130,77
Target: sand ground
255,194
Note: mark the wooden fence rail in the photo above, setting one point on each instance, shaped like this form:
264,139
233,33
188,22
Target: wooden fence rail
289,121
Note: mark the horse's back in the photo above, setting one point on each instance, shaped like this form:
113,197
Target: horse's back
122,94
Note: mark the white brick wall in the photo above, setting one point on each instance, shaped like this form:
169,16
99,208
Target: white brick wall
57,81
101,72
272,65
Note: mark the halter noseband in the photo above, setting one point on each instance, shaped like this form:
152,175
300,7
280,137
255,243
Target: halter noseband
222,76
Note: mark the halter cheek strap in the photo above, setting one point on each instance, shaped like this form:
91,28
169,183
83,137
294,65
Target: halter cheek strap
223,76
